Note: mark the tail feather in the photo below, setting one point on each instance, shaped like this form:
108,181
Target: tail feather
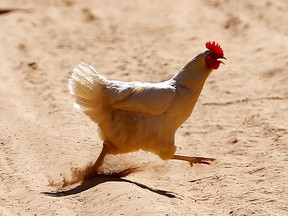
86,86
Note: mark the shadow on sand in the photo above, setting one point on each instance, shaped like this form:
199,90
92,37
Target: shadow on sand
86,185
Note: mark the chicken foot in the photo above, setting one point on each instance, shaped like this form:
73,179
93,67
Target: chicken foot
193,160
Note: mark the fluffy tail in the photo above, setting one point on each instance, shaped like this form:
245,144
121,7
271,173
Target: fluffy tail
86,86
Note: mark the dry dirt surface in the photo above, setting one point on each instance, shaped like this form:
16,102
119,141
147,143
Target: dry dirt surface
240,118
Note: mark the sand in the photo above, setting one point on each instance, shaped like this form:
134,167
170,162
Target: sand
240,118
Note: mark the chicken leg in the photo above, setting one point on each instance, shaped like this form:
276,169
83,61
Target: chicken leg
193,160
93,170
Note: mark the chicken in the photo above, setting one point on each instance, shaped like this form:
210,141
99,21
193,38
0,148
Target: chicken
136,116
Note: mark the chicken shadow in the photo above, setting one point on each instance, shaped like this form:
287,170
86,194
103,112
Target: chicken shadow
86,185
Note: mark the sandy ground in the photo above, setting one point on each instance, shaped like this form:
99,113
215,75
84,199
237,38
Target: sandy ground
240,119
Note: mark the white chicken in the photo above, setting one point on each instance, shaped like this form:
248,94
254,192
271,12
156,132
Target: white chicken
136,116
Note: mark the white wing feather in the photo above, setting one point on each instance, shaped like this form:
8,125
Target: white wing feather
143,98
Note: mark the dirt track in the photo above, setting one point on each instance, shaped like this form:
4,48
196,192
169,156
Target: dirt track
240,119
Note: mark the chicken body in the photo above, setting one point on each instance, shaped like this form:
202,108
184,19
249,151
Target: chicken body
134,115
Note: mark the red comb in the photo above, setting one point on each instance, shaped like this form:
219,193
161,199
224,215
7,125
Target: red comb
214,47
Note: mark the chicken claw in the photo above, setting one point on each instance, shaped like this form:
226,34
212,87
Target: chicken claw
194,160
